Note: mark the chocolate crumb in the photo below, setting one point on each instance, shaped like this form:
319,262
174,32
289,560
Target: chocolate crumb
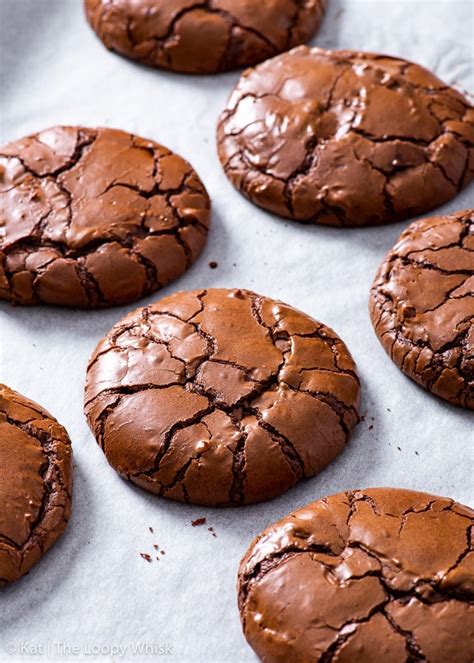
146,556
151,529
156,546
398,448
213,264
211,530
198,521
371,426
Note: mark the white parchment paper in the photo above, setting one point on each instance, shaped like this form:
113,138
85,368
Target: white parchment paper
93,597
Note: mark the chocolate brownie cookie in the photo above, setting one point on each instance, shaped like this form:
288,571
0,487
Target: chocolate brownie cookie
203,37
422,305
35,483
369,576
345,138
220,397
95,217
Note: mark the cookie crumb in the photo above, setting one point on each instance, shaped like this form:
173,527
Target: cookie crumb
146,556
213,264
156,546
198,521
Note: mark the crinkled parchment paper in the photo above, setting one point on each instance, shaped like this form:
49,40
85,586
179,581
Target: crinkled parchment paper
93,597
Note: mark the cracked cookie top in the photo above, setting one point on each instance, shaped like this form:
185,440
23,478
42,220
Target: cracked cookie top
366,576
345,138
220,397
35,483
95,217
422,305
203,36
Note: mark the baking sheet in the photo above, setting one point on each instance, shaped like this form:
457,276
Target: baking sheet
93,597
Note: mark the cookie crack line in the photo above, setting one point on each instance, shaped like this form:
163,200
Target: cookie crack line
216,404
245,402
126,242
81,148
426,264
227,16
237,412
275,559
268,563
414,651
